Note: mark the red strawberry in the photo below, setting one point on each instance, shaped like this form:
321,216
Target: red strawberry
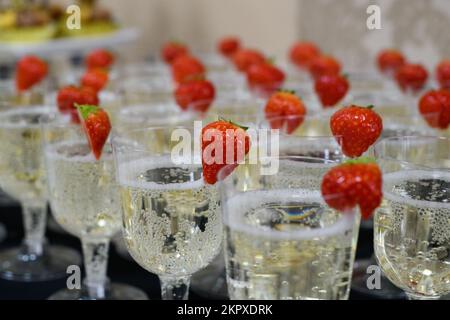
331,89
285,110
322,65
265,77
99,59
356,129
435,108
196,95
244,58
96,79
187,68
96,126
390,60
228,46
211,161
302,53
70,96
411,77
172,50
30,71
443,74
356,182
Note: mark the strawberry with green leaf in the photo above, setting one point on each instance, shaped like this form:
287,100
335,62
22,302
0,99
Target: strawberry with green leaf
285,110
229,132
354,183
356,128
96,125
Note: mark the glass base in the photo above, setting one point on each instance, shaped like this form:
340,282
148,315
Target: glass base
17,266
2,232
117,291
387,290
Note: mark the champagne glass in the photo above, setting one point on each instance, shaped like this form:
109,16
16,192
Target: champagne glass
22,176
171,218
281,239
85,201
412,226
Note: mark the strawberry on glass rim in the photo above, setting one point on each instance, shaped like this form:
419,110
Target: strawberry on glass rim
195,95
232,137
331,89
96,79
172,50
434,106
323,65
99,59
285,110
411,77
244,58
443,74
390,60
96,126
356,128
302,53
357,182
228,46
265,78
70,96
30,71
186,68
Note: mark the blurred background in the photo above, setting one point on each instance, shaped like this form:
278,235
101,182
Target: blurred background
417,27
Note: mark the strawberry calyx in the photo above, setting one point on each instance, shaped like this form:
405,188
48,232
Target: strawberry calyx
234,124
361,160
370,107
287,91
86,110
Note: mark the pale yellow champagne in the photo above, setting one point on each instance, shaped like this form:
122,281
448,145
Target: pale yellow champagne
83,193
281,248
172,222
22,173
412,232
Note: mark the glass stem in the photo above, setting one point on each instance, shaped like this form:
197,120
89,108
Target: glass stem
174,288
34,221
95,254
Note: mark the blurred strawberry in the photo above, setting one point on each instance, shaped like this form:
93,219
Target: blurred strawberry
172,50
443,74
390,60
186,68
302,53
331,89
96,79
323,65
265,77
285,110
30,70
244,58
434,106
411,77
228,46
70,96
195,95
99,59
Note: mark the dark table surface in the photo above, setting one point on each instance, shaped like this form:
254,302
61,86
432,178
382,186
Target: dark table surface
119,269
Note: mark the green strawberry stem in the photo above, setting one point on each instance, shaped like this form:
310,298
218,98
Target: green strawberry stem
361,160
281,90
235,124
370,107
86,110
